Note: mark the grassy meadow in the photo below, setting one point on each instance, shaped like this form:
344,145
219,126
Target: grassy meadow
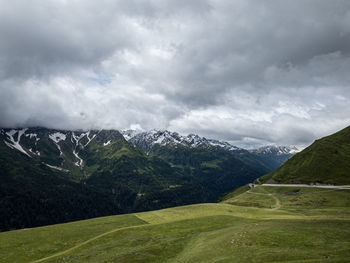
264,224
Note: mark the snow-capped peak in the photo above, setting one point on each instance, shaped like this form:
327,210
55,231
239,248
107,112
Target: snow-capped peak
279,150
128,134
146,140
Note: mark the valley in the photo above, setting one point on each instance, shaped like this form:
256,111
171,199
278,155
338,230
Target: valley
54,176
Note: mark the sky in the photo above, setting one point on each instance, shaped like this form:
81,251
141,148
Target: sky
249,72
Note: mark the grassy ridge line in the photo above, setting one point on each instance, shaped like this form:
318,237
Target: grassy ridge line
209,209
252,198
236,192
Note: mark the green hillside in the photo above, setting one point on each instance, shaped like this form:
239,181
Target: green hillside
327,161
265,224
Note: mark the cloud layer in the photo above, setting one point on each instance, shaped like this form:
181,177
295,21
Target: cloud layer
250,72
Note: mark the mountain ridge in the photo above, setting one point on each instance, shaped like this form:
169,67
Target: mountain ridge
150,138
165,137
104,165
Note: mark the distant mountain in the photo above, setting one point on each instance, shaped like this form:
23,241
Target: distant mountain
276,150
274,156
157,142
51,176
326,161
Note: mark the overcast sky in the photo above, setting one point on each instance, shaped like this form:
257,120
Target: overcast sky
249,72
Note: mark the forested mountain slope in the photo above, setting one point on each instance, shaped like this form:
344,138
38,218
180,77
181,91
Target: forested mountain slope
51,176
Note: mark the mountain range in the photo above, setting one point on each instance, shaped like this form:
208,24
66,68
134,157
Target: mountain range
150,142
289,215
51,176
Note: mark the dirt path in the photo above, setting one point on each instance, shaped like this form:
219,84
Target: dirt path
277,204
277,201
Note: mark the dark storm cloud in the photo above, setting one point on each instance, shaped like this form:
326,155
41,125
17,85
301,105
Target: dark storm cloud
250,72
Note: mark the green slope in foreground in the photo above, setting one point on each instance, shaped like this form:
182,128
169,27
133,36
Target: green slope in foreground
327,160
264,224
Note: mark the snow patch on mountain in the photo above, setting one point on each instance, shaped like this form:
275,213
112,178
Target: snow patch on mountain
32,135
128,134
295,150
79,163
15,144
57,137
57,168
89,139
59,148
76,138
36,153
107,143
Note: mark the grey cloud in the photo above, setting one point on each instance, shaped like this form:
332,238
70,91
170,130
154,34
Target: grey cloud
250,72
49,38
237,45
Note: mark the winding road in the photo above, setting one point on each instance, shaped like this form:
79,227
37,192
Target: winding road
341,187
